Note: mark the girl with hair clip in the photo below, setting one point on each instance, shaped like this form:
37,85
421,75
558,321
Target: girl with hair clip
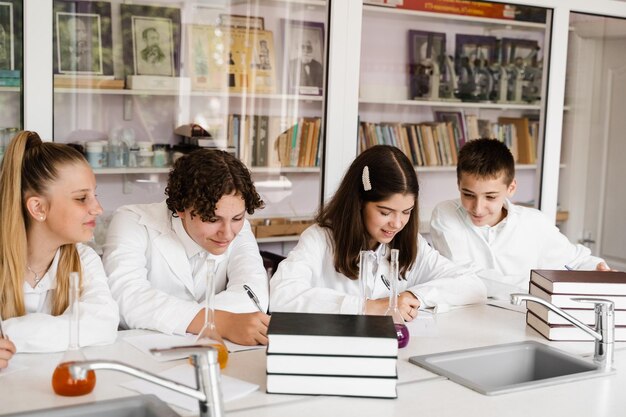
48,206
374,209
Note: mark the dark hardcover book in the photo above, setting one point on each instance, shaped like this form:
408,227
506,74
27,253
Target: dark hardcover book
580,282
565,300
331,385
331,365
332,334
566,332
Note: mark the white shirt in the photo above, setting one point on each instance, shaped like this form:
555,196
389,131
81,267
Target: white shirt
157,272
503,255
38,331
306,281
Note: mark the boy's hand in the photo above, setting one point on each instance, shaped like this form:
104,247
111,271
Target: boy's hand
245,328
602,266
7,349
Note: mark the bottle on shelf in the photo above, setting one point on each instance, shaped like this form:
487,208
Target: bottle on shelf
63,383
402,331
208,335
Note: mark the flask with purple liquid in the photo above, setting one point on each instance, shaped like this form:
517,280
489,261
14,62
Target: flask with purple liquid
402,332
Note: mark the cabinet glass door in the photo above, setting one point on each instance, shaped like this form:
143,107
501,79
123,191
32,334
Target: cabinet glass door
436,74
591,181
11,74
136,86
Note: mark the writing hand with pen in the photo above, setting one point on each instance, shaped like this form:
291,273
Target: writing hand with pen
7,348
247,329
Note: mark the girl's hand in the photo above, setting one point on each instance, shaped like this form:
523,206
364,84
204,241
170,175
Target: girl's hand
7,349
408,304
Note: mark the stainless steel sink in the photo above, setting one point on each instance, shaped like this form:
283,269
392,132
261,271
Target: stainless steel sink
511,367
138,406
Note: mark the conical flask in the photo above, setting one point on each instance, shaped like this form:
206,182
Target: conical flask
209,335
62,381
365,263
402,332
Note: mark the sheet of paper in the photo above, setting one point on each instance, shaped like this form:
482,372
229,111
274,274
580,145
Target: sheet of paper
507,305
234,347
15,364
423,325
232,388
161,341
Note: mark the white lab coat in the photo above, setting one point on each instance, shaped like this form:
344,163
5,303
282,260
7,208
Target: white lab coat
151,278
306,281
38,331
503,255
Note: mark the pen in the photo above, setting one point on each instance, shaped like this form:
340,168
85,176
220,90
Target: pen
253,297
385,281
569,268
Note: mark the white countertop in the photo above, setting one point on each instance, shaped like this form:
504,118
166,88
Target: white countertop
419,391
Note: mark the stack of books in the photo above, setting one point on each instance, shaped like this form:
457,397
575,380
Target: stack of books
559,287
332,354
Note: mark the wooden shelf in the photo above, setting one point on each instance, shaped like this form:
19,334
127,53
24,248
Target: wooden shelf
121,171
452,168
271,170
487,23
453,104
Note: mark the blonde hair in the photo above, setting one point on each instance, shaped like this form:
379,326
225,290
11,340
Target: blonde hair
29,167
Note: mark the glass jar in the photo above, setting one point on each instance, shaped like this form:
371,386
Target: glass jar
95,152
161,155
145,159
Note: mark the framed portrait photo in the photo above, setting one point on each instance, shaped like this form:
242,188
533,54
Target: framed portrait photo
151,37
10,45
304,56
242,21
82,38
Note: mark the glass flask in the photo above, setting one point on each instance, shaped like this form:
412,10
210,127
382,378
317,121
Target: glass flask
365,263
63,383
209,335
402,332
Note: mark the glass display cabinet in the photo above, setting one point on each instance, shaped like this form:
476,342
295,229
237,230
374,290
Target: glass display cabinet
457,71
136,86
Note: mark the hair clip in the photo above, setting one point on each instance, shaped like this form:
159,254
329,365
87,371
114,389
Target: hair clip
367,185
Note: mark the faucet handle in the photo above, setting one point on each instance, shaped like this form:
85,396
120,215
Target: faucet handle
602,305
191,350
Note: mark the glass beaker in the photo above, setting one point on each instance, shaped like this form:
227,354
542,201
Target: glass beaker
63,383
365,263
402,332
209,335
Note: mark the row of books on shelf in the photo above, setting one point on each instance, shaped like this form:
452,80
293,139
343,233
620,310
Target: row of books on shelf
560,287
273,141
332,354
438,143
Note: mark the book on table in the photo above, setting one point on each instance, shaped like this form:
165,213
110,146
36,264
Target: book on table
580,282
332,385
565,300
331,365
587,316
565,332
332,334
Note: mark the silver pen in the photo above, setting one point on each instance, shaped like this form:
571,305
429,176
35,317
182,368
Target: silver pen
253,297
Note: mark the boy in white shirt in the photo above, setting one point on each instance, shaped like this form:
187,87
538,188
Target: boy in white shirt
497,239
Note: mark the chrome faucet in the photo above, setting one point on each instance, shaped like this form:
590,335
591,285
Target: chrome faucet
204,360
603,333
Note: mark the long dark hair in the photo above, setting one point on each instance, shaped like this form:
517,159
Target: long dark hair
390,172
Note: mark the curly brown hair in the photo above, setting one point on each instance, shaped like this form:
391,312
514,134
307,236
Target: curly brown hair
200,178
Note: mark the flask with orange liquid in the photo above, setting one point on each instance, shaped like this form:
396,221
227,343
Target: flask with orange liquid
209,335
62,381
